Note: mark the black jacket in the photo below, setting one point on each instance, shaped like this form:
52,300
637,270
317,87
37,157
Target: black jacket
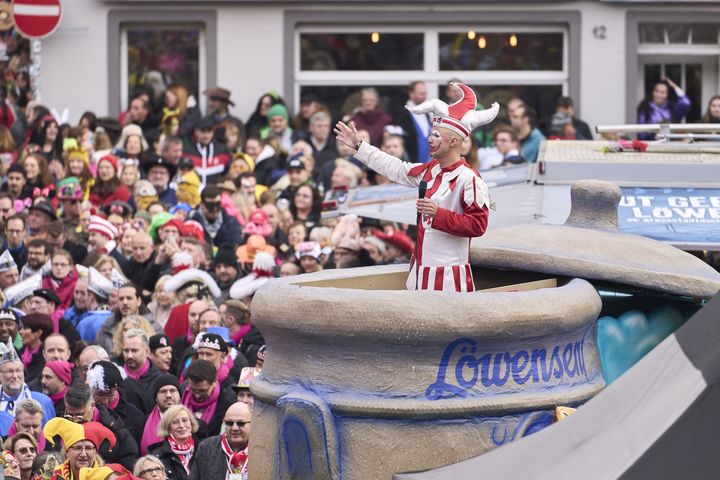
126,450
250,344
230,232
173,466
132,417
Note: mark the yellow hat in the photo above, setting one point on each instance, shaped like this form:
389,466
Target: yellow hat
99,473
72,432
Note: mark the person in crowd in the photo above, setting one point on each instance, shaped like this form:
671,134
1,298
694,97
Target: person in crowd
172,149
666,102
15,181
24,447
56,378
89,355
219,103
204,395
226,270
36,327
80,442
177,428
62,278
181,110
242,389
561,127
161,353
219,227
41,214
13,387
80,408
259,118
210,157
150,467
522,120
416,126
38,258
14,245
227,453
96,310
309,255
28,420
38,177
46,302
319,138
278,127
10,327
126,324
306,205
712,114
162,302
567,106
160,172
107,186
136,353
166,393
370,116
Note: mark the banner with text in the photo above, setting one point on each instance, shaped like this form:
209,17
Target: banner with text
674,215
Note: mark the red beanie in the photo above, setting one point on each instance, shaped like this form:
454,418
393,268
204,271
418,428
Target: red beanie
112,159
62,370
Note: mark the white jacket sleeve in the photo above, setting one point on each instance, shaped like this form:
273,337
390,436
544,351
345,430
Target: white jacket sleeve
393,168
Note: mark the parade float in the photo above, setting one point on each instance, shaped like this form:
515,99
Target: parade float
364,379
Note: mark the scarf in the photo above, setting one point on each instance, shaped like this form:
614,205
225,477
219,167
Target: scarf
150,435
63,470
96,415
41,442
183,451
139,372
113,405
212,228
7,403
28,354
64,287
240,333
207,407
57,397
236,461
224,370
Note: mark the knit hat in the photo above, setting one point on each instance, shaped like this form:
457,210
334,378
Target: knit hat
158,221
165,380
72,433
7,262
15,294
69,188
195,230
62,369
104,375
210,340
159,340
277,109
70,145
99,284
100,225
174,222
460,116
247,375
226,255
8,354
112,159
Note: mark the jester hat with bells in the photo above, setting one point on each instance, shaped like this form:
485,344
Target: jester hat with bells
459,117
72,433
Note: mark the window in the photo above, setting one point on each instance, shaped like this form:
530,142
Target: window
678,33
531,62
158,56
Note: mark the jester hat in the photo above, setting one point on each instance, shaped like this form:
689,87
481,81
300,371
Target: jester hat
460,116
72,433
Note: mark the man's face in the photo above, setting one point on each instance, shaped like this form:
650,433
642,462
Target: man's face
247,186
394,146
278,124
15,232
15,183
51,383
196,308
159,177
12,377
97,240
225,273
211,208
56,241
441,142
8,330
204,136
200,391
518,120
162,358
244,396
142,248
297,176
210,318
79,414
84,360
137,112
135,352
173,152
9,277
41,305
196,252
36,257
81,295
81,454
320,129
128,302
30,424
216,357
6,208
237,425
253,148
419,93
166,397
503,142
105,398
216,105
56,348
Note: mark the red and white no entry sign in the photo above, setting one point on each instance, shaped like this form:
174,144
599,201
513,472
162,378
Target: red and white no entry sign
36,18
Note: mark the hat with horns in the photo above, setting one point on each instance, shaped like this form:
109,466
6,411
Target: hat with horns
460,116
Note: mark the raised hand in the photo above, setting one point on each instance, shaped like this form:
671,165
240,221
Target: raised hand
347,134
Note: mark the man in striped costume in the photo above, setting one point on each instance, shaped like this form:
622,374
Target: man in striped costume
455,206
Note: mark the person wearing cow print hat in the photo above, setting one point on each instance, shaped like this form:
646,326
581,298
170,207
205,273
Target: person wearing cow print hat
455,205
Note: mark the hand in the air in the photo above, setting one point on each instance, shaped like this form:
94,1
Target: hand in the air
347,134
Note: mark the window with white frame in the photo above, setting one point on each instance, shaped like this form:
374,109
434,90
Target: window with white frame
499,62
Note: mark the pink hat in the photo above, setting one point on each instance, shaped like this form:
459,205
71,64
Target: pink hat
460,116
100,225
62,370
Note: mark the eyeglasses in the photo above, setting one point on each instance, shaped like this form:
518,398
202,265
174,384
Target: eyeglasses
239,423
152,471
212,205
82,448
26,450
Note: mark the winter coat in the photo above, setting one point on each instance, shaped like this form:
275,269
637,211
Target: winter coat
230,232
173,467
